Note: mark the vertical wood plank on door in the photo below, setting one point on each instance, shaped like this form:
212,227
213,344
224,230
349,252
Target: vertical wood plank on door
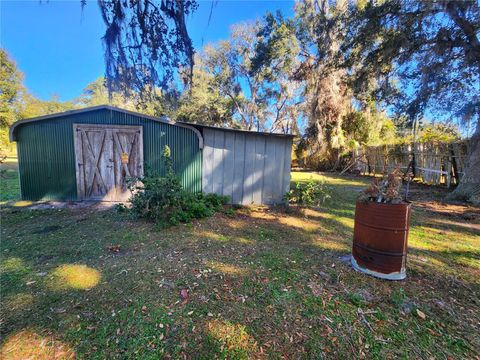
96,184
90,163
79,166
108,174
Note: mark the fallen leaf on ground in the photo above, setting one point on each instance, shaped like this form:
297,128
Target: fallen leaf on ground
184,296
114,248
421,315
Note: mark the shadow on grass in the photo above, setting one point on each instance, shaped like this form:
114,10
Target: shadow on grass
264,283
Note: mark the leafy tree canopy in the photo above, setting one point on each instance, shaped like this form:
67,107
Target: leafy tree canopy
11,89
96,93
238,93
421,54
205,103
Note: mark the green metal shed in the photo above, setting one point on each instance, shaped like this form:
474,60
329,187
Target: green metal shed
89,153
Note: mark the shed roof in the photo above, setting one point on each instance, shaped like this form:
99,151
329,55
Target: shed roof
201,126
192,126
163,119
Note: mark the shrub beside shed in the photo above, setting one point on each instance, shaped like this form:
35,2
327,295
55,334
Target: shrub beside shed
88,154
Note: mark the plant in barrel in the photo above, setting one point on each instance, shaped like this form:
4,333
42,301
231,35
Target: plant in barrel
382,220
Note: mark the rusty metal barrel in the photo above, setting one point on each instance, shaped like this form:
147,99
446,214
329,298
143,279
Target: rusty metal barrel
380,239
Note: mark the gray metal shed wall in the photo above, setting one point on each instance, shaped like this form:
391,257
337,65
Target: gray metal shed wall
249,168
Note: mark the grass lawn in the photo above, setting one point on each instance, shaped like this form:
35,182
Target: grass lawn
262,283
9,184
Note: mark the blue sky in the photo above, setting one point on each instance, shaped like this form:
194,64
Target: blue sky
59,49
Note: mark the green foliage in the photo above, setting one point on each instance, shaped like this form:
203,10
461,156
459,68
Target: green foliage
275,62
421,60
230,212
310,193
277,46
368,127
9,181
246,80
388,131
428,132
205,103
439,133
6,147
167,159
16,103
96,93
33,107
164,201
120,208
11,88
229,64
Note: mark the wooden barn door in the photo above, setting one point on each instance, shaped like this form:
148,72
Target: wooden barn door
106,157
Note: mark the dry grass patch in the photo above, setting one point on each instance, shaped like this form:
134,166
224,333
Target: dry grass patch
28,344
232,337
299,223
228,269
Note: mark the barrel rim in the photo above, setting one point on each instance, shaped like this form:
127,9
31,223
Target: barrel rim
407,204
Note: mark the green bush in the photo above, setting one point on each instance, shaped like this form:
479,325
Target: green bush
311,193
162,198
214,201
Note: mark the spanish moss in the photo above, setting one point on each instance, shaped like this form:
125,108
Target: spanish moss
145,42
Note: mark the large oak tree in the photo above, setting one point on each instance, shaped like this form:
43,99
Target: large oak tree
424,58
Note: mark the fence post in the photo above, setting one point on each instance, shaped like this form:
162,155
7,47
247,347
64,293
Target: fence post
454,163
414,164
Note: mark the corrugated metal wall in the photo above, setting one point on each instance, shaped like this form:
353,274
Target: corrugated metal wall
249,168
47,159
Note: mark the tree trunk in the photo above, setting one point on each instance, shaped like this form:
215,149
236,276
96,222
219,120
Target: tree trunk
469,187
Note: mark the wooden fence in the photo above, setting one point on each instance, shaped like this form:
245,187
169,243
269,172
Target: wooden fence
433,163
